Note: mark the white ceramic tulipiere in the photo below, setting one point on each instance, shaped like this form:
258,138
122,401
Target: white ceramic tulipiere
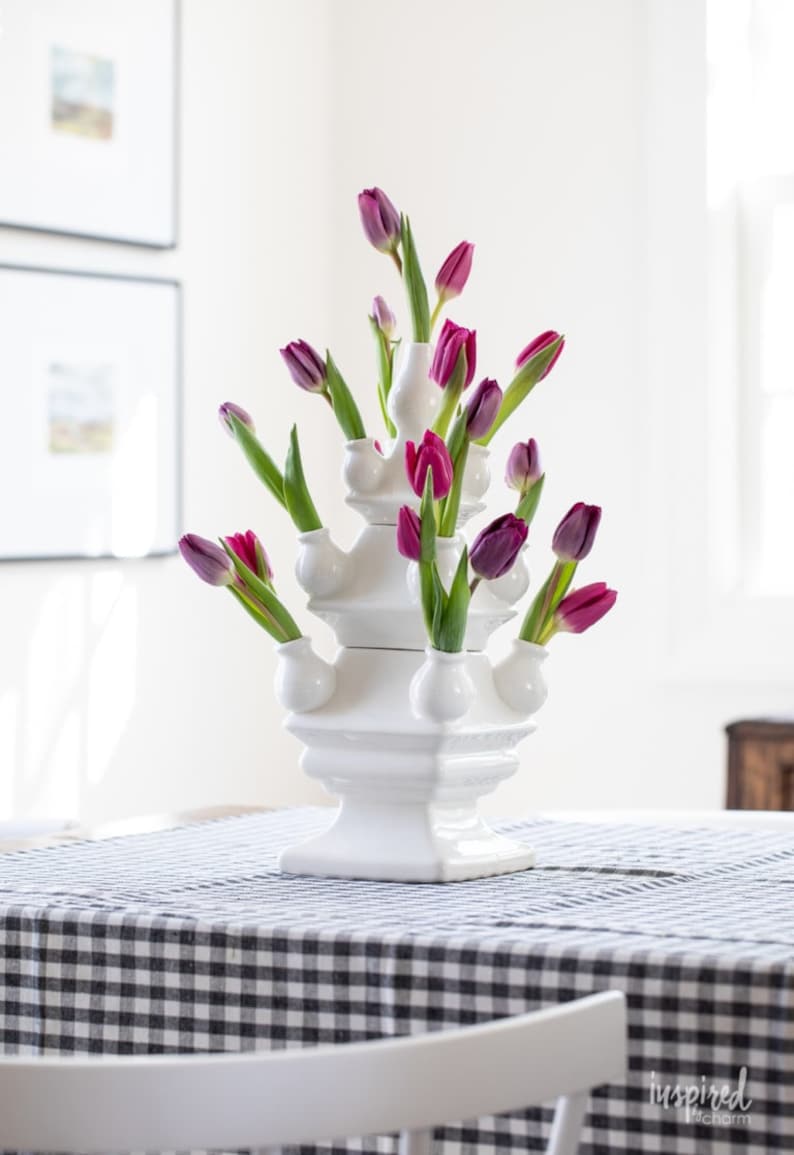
408,739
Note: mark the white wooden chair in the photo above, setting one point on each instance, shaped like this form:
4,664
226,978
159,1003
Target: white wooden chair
265,1099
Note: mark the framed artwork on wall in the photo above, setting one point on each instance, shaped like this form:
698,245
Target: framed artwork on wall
88,109
90,461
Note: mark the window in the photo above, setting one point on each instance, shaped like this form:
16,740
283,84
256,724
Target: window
750,149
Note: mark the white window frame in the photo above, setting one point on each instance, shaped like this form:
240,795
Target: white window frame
706,623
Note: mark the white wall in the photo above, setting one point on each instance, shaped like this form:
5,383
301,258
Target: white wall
190,718
521,125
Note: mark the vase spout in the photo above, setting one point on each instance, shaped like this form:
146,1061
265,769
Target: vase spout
519,680
322,568
304,681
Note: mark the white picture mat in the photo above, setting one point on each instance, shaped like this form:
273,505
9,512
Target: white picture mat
123,499
123,187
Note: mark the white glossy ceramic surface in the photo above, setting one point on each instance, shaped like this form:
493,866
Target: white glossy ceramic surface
304,681
322,569
519,677
379,603
377,488
511,587
409,785
441,689
408,741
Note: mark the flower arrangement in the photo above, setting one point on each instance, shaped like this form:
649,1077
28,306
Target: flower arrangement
411,723
435,466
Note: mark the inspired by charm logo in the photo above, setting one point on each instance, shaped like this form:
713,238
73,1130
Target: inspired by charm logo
714,1104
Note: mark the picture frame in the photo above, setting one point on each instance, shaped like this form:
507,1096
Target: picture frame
88,118
90,447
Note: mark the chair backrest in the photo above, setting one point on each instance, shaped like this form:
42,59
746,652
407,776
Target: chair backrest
261,1099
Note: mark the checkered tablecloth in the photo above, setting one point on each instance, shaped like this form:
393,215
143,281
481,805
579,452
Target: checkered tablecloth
191,939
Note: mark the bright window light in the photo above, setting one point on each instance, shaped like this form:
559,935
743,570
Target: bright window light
751,185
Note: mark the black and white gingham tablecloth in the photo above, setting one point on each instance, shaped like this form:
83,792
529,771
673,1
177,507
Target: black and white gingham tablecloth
190,939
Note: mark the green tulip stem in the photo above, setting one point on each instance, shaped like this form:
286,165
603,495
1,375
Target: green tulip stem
258,612
522,385
548,597
436,311
258,458
450,507
448,406
299,503
549,631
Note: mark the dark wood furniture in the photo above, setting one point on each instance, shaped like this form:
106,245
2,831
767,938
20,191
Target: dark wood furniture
761,764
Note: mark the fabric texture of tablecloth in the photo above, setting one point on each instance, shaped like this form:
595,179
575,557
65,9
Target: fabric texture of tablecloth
191,940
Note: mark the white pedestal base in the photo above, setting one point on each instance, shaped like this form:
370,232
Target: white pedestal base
407,842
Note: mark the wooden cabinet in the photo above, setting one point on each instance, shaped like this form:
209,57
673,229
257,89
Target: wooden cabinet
761,764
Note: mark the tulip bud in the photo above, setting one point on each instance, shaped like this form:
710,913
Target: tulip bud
249,549
431,453
452,342
383,317
523,466
306,366
454,273
583,608
409,533
207,560
482,408
229,409
540,342
380,220
496,548
574,536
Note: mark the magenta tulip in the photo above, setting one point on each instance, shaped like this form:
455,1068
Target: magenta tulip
383,316
380,219
306,366
431,453
207,560
454,273
453,341
496,548
482,408
229,409
249,549
523,466
582,608
409,532
574,536
535,346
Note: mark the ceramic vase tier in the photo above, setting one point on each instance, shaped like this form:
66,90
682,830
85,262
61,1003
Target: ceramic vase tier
405,738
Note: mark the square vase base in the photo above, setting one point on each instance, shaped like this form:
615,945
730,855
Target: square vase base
405,842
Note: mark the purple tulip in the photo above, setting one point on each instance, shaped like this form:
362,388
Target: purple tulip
535,346
207,560
229,409
383,316
454,273
583,608
523,466
251,552
431,453
409,532
483,406
306,366
454,340
496,548
574,536
380,219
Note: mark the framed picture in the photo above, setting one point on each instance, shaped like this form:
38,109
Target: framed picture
88,118
90,461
